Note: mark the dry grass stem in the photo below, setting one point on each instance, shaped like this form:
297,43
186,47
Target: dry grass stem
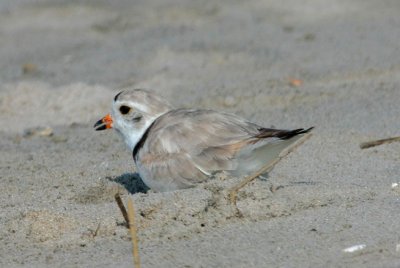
370,144
133,230
122,208
96,232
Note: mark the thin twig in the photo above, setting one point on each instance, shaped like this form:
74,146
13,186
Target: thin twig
133,230
97,230
234,191
370,144
122,208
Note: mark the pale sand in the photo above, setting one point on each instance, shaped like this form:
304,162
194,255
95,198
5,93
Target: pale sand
327,196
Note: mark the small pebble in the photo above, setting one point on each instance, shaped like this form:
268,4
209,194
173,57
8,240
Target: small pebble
288,28
295,82
29,68
309,37
38,131
354,248
396,187
398,248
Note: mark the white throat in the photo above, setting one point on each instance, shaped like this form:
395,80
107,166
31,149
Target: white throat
133,136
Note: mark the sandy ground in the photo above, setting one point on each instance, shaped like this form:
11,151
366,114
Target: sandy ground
61,62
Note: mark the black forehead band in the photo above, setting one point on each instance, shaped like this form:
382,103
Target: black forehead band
116,96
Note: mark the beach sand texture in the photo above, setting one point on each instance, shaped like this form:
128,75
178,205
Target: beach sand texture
331,64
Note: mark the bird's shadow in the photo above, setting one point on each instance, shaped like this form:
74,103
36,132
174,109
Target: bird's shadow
131,182
134,184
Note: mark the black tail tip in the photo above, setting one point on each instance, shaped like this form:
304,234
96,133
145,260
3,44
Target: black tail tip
302,131
289,134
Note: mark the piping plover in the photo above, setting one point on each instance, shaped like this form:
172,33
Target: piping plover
179,148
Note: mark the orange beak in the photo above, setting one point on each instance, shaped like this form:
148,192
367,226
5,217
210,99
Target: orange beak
104,123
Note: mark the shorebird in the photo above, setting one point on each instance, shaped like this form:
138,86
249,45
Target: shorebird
179,148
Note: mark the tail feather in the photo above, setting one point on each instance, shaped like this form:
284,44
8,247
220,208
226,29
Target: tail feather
281,134
266,150
285,135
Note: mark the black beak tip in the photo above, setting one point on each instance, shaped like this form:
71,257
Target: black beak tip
99,125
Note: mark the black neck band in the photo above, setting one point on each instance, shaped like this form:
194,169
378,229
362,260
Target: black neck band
141,142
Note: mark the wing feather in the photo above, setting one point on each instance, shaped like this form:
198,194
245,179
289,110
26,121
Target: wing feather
187,146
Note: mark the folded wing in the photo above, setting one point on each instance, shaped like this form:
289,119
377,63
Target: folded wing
187,146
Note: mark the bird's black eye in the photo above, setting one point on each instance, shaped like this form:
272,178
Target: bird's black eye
124,109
